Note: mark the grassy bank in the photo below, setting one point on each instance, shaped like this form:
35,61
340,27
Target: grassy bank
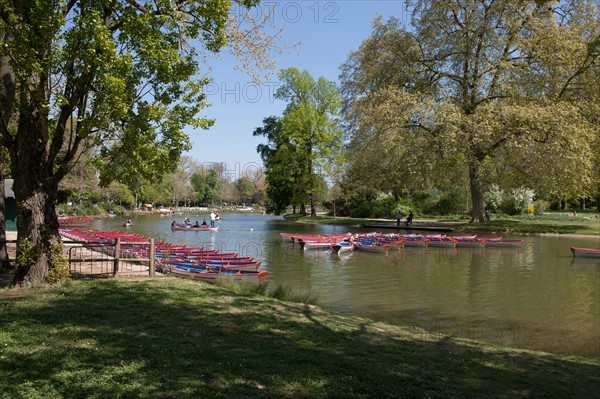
178,338
552,223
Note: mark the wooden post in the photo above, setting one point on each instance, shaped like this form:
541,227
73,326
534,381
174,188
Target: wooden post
152,255
116,256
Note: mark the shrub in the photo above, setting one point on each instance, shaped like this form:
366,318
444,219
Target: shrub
422,200
539,207
493,197
517,201
59,264
385,206
452,201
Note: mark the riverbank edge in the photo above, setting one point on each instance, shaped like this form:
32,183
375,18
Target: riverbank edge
459,226
316,343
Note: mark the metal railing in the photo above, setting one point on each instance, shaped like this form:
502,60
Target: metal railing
107,259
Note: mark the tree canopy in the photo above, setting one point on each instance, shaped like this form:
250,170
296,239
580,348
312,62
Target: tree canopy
302,141
122,77
478,88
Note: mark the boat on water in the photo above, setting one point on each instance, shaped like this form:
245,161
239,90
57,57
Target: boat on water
372,247
504,244
316,244
192,228
342,246
441,240
470,243
585,252
246,266
212,274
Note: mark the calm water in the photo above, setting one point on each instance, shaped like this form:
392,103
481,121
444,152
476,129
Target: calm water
537,297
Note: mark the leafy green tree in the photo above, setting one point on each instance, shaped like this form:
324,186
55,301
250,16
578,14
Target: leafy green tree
477,83
212,185
310,121
121,74
120,194
281,170
198,182
245,189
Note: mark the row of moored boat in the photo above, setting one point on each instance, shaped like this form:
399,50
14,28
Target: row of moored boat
380,242
179,260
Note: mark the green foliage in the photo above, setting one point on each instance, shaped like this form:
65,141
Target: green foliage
245,188
198,181
295,295
385,206
493,197
540,206
212,181
304,139
282,168
450,89
422,199
451,202
59,265
119,193
27,253
85,208
516,201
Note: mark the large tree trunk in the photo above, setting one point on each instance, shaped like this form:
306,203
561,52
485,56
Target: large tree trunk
7,95
35,189
37,221
478,211
302,210
3,250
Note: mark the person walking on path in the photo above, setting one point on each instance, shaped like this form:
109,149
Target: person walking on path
398,217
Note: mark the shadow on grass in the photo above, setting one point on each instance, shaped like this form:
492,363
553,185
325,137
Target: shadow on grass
172,338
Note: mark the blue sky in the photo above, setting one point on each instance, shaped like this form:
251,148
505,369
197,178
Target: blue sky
326,32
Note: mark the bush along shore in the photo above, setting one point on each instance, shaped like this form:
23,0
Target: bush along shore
172,338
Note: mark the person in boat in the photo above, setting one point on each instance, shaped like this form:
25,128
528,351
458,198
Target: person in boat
128,222
217,216
173,223
213,216
187,221
409,219
204,224
196,224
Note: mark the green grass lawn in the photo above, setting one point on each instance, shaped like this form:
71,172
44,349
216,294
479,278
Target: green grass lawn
173,338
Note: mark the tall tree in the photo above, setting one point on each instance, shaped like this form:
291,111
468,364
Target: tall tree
477,78
198,183
180,180
245,189
212,184
310,121
281,169
122,74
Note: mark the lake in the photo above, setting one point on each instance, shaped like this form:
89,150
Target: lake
537,297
